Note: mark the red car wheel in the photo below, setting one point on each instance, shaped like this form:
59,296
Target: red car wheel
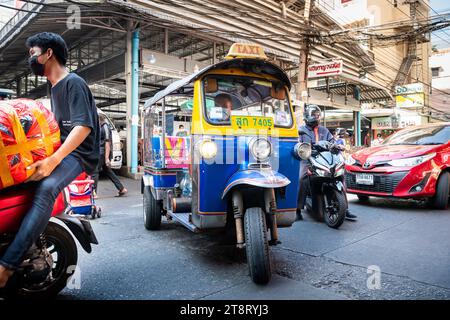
440,199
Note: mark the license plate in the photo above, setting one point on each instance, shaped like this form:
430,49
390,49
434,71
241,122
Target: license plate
251,123
364,178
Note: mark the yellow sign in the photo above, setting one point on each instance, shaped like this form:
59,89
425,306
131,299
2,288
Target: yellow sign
243,50
252,123
410,100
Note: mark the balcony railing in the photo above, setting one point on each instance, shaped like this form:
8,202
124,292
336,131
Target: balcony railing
20,18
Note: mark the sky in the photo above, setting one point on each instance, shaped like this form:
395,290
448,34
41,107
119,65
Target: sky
441,38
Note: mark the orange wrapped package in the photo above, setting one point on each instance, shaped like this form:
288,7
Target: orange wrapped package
28,133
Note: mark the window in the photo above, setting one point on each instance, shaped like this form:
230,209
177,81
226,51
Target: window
435,72
226,96
433,135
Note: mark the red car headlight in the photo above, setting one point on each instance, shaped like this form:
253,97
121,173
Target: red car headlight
411,162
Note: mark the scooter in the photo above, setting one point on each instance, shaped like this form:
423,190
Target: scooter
52,259
325,195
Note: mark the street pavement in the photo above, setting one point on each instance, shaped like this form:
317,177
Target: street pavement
405,241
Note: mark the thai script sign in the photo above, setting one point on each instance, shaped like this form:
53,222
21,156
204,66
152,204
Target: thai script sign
332,68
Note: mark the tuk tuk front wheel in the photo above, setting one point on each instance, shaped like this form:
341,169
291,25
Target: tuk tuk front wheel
257,245
152,210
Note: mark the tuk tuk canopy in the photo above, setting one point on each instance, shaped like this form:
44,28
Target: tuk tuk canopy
184,86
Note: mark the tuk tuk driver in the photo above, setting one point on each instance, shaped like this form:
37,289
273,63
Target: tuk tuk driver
225,102
312,132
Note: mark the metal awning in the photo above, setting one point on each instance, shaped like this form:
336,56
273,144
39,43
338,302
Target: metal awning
369,90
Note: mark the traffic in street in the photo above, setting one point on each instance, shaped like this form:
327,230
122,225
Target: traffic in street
202,151
404,239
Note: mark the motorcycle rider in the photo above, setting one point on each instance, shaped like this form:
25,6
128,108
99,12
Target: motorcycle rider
76,113
312,132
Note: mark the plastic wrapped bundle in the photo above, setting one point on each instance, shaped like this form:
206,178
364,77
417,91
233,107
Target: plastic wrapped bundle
28,133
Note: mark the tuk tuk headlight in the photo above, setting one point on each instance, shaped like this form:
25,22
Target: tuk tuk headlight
303,150
208,149
260,148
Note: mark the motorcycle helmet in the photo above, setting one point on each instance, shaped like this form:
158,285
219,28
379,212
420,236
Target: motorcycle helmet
312,115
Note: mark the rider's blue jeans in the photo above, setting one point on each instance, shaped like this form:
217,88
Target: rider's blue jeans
36,219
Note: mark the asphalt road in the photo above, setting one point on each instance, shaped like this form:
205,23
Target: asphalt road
406,242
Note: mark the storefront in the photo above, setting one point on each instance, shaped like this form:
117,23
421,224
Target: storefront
341,97
389,124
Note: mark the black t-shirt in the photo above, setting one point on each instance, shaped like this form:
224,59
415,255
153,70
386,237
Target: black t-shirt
74,105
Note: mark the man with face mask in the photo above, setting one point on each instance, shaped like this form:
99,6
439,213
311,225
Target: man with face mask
312,132
76,113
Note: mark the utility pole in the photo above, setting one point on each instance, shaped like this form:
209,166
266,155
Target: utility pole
302,77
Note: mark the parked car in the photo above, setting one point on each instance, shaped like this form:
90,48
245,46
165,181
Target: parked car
412,163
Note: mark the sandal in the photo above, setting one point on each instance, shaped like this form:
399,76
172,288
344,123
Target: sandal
122,192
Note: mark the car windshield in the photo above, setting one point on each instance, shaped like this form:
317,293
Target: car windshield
227,96
420,136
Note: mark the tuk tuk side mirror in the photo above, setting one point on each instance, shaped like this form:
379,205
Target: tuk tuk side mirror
211,85
278,93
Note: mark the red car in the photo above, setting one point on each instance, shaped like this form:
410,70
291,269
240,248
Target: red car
412,163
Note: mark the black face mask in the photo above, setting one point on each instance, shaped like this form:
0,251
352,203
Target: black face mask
36,67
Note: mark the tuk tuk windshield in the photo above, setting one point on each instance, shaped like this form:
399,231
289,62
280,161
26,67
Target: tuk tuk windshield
226,96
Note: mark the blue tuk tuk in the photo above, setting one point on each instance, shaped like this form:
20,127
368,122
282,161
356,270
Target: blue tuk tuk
235,162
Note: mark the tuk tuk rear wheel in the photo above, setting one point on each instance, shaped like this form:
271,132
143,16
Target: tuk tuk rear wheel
257,245
152,210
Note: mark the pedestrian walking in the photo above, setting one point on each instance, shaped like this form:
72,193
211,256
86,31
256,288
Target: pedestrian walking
105,162
378,141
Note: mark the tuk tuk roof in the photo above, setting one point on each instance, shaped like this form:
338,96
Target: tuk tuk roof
6,91
261,66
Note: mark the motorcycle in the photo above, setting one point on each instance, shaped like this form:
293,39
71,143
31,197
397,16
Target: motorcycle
325,192
52,259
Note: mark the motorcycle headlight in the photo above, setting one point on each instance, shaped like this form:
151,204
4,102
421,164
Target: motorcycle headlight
350,161
260,148
207,149
339,172
303,150
322,173
411,162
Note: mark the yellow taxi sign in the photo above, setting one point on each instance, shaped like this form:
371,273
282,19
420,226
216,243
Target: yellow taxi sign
245,50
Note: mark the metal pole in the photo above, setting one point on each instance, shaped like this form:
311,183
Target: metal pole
357,128
166,41
302,78
163,142
358,136
134,99
129,94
